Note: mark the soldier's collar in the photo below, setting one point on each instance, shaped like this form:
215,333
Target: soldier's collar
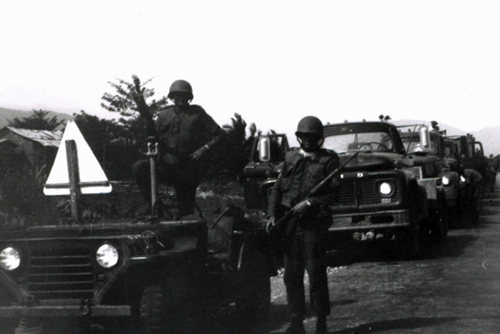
311,155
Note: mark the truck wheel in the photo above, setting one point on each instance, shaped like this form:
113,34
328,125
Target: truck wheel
152,311
453,214
409,243
439,220
474,205
254,294
254,302
165,307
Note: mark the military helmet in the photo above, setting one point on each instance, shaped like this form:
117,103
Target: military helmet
181,86
310,124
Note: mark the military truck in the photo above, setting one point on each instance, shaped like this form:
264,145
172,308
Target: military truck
146,274
471,153
380,197
427,148
470,186
259,175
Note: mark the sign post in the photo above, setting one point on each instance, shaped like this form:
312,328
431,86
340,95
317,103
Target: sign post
76,170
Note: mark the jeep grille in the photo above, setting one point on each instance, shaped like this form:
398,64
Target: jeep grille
56,274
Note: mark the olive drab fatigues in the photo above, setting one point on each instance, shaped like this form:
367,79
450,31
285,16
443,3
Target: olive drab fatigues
307,249
180,132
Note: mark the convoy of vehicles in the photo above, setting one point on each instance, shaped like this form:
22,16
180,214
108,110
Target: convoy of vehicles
161,274
408,183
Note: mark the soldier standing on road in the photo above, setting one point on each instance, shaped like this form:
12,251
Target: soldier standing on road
185,133
302,170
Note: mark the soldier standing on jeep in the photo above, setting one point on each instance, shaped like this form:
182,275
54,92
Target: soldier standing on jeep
185,133
305,249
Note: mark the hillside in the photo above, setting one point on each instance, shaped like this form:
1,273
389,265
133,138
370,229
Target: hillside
9,114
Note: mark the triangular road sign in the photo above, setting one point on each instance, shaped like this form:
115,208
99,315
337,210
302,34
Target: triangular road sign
92,179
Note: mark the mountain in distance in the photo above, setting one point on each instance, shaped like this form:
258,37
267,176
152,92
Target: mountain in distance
489,137
7,115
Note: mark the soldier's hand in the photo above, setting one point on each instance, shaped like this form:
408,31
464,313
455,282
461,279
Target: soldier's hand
196,155
270,224
301,207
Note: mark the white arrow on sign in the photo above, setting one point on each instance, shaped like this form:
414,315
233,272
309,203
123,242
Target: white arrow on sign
92,178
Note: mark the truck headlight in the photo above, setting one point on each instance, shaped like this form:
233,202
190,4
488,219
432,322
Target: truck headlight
445,180
107,256
385,188
10,258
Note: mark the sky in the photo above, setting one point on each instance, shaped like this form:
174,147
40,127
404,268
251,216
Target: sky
272,62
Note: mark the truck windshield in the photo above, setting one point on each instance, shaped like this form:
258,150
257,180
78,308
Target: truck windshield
357,138
411,142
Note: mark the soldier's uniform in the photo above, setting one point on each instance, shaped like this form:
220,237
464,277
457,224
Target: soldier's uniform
301,172
182,131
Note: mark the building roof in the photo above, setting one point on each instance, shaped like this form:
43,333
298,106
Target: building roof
44,137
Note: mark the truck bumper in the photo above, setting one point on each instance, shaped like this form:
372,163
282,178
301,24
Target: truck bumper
359,222
65,311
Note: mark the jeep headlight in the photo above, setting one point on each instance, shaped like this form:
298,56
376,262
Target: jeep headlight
107,256
10,258
385,188
445,180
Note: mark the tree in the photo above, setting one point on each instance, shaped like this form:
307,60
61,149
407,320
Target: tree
228,161
37,121
131,101
110,143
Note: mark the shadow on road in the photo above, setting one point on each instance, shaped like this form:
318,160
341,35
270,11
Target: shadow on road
396,324
384,251
453,246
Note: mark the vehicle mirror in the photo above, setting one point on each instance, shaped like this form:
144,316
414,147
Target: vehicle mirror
425,139
264,149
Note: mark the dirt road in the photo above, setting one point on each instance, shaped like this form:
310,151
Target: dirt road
454,288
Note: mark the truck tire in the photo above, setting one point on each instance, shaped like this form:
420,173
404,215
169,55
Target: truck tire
152,311
165,307
409,244
254,291
254,301
439,220
454,216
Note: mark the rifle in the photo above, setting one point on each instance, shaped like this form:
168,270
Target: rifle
285,227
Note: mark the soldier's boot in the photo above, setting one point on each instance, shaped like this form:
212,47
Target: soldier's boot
321,327
296,326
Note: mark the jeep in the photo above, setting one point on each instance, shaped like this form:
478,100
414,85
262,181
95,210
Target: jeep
146,274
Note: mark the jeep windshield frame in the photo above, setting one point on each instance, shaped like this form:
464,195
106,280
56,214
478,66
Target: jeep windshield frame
375,137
